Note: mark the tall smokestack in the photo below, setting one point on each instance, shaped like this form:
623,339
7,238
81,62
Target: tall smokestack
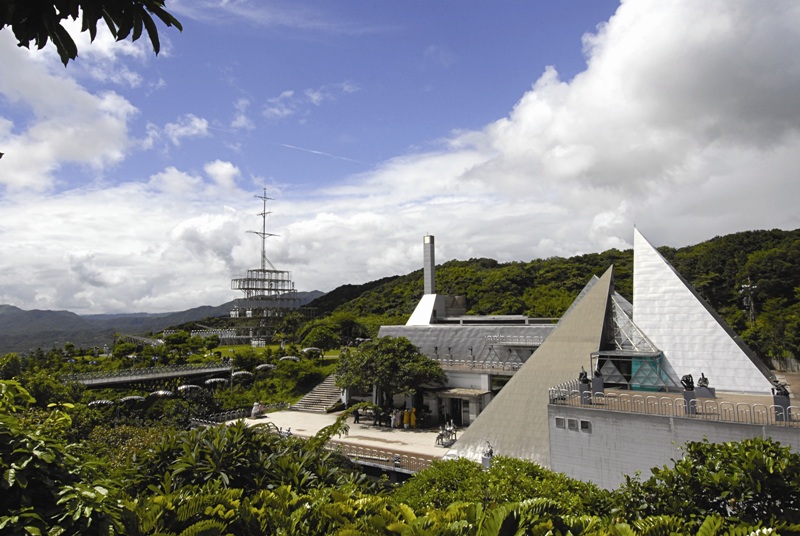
429,266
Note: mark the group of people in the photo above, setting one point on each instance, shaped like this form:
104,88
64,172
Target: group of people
258,410
394,418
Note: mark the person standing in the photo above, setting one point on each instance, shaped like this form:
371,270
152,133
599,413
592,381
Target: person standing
406,418
413,417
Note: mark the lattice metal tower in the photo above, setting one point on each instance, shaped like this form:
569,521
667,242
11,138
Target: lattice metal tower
269,293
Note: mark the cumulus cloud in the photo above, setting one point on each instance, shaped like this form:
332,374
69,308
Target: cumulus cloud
88,270
208,239
64,122
174,182
281,106
104,58
222,173
187,126
124,248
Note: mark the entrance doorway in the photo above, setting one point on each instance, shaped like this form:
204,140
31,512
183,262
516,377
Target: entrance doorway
455,409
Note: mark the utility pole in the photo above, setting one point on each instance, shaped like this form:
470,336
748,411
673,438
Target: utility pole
749,305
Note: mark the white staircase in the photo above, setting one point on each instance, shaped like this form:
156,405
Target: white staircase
320,397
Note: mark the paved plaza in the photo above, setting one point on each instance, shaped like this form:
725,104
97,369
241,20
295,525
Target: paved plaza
413,442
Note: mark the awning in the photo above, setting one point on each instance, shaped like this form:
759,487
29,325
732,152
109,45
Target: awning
461,392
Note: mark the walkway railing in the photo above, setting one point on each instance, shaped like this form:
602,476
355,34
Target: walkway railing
236,414
395,461
483,365
569,394
136,374
515,340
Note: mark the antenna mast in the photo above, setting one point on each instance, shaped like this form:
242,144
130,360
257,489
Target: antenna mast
263,233
268,295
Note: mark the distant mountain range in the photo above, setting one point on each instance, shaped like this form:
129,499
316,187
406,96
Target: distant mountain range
22,331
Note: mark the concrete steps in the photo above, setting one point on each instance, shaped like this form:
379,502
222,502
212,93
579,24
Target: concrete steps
321,397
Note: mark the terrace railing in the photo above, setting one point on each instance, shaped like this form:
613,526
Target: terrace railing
570,394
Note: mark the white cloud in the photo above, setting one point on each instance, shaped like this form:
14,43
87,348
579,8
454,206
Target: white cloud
290,102
241,120
104,58
129,247
66,123
84,266
272,15
188,126
174,182
280,106
222,173
684,122
185,127
315,96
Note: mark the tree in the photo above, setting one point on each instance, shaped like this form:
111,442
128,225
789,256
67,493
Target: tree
70,350
47,389
38,21
392,364
47,489
247,359
212,342
124,348
747,481
508,480
322,337
444,483
290,324
10,367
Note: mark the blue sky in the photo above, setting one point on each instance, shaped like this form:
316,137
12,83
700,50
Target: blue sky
362,82
512,130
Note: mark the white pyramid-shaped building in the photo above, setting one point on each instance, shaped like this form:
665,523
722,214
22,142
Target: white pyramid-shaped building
692,336
515,422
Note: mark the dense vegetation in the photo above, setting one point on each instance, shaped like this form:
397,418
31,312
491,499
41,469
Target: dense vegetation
767,261
244,480
278,381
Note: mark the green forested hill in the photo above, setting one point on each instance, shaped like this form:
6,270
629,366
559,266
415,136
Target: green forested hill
540,288
769,261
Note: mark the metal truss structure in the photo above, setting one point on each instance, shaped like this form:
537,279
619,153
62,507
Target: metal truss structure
632,360
509,350
269,294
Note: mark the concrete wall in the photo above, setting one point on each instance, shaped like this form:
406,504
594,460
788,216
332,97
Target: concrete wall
469,380
602,446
